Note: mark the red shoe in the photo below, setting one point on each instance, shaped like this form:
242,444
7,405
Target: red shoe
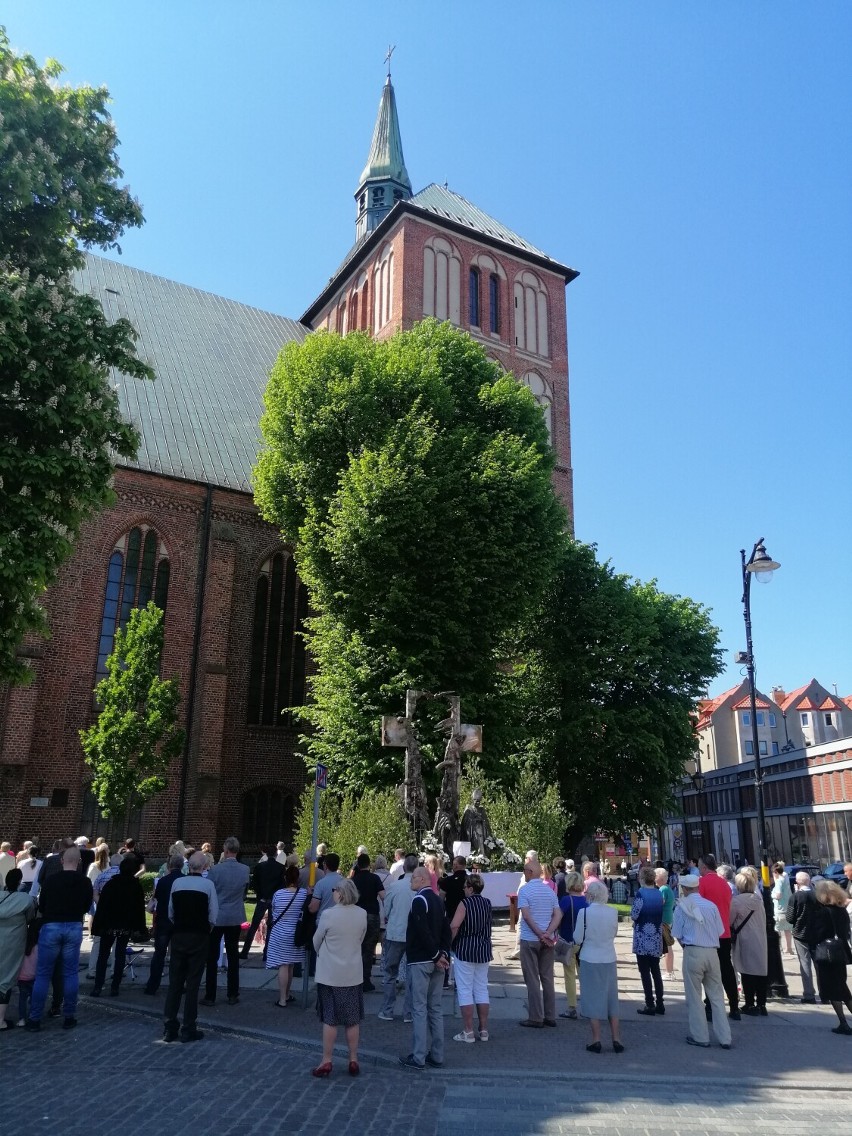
323,1070
354,1068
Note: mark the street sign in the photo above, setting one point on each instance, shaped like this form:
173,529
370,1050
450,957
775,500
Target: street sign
322,777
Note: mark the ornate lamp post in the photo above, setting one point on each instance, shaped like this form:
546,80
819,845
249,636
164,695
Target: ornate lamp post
761,565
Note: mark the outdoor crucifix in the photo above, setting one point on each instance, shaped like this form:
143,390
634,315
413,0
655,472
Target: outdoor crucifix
398,730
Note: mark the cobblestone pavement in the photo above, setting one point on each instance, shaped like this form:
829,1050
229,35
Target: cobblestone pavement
113,1074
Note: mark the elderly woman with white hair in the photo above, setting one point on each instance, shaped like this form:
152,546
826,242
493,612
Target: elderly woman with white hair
597,926
340,995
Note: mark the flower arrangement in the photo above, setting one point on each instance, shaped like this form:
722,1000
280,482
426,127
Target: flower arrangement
498,856
432,847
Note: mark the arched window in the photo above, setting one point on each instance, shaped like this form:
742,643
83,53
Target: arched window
138,571
342,318
277,670
473,293
383,288
441,281
542,396
494,304
531,315
267,816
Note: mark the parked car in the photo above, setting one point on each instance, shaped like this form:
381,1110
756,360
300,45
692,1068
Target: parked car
835,873
811,869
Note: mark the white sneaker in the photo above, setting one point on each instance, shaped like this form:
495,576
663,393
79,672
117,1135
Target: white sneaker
483,1035
408,1019
469,1038
514,955
383,1017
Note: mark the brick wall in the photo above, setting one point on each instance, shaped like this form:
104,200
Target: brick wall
39,744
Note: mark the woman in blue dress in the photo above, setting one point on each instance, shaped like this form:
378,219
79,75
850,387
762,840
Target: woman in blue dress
647,916
282,954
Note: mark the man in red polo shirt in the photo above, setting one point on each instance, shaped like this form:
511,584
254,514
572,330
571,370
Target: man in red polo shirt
714,888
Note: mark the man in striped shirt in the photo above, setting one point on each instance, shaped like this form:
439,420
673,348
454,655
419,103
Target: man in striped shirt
697,926
540,916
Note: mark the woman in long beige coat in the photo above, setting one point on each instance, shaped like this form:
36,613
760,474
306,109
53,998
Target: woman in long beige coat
17,908
748,954
340,994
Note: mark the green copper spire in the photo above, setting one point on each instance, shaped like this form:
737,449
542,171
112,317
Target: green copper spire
384,179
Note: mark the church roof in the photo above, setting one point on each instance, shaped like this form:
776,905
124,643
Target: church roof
199,419
454,212
386,159
449,205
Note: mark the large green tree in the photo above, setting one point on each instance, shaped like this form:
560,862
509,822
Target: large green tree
60,422
606,679
413,479
135,737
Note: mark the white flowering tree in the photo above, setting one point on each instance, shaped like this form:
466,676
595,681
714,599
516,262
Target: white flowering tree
60,423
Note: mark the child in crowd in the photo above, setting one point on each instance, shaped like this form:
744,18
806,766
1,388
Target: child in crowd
27,973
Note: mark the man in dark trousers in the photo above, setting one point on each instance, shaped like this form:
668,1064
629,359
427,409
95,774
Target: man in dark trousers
452,887
371,890
798,915
162,924
193,909
267,878
230,879
427,947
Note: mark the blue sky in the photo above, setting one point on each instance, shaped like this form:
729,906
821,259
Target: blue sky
691,160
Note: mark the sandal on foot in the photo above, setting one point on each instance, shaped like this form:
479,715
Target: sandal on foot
617,1047
595,1047
323,1070
354,1068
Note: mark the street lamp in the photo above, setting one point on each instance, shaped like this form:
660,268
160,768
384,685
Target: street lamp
761,565
698,782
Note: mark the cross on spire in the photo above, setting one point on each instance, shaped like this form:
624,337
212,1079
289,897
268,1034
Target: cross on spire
391,50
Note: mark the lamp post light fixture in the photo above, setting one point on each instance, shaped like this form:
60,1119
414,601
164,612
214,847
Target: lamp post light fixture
698,781
761,565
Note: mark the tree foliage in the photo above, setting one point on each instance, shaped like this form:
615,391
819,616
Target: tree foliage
60,423
374,818
413,479
607,678
135,737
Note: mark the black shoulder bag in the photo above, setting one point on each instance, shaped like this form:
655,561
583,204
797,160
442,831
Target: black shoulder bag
736,930
278,918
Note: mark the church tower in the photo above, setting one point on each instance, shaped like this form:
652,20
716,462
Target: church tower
384,179
434,254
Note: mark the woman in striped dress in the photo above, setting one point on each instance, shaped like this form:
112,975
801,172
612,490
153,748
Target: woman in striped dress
281,951
471,929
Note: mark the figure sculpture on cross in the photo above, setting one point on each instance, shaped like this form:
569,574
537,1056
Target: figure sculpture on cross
446,826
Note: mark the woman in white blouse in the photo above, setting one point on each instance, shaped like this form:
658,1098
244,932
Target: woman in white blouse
597,926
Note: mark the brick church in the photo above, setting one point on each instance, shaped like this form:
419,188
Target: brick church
184,530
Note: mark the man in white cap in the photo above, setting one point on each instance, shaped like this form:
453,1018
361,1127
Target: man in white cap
697,926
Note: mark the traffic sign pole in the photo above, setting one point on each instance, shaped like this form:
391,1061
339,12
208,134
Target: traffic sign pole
320,783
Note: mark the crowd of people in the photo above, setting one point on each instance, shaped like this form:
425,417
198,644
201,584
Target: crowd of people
322,915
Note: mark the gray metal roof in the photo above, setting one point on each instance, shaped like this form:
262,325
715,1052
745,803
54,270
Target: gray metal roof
212,357
448,204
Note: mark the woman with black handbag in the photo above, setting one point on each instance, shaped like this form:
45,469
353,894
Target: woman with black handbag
748,942
832,953
282,954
